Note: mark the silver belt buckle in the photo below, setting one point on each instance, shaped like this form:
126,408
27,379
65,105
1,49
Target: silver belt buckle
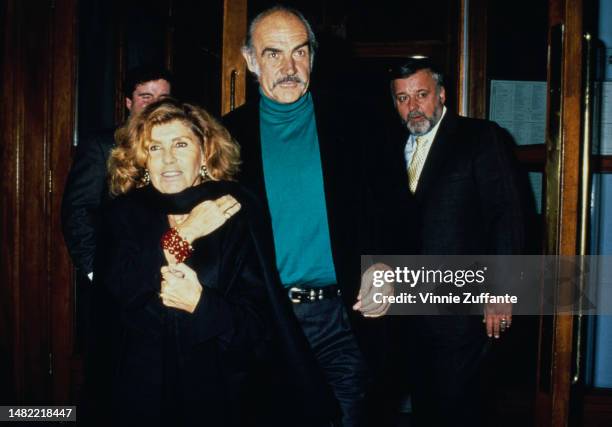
294,300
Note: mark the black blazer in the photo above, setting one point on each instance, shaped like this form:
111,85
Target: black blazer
340,135
169,366
86,189
344,127
471,197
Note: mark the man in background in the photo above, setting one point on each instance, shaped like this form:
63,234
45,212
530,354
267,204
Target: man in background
86,187
461,183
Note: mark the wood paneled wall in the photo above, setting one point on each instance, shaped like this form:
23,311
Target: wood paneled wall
36,124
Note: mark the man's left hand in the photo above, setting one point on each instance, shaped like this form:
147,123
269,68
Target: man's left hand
497,318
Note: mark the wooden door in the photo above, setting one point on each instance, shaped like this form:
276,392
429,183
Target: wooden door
567,190
565,396
36,122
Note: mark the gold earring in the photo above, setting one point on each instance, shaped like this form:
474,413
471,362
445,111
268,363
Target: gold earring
204,173
146,178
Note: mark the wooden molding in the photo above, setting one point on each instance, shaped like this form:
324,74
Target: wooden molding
462,64
36,122
597,408
11,173
562,194
601,164
62,116
477,59
233,65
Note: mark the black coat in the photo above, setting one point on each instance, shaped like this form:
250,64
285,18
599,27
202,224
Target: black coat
340,134
86,189
471,198
344,127
171,367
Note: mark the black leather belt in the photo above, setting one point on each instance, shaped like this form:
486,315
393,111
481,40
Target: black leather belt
299,295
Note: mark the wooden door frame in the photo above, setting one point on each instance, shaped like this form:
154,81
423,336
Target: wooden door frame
563,170
233,66
62,118
554,380
472,59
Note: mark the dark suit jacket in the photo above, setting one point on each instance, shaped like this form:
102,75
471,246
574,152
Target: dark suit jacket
471,197
86,189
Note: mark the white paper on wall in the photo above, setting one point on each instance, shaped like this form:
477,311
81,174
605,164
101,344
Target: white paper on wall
603,101
520,108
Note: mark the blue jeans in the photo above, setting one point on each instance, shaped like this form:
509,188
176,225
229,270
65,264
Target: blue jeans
326,326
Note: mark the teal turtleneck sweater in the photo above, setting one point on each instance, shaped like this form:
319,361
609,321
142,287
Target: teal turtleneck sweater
296,196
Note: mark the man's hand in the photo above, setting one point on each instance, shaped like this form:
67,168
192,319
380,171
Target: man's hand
497,318
365,300
180,287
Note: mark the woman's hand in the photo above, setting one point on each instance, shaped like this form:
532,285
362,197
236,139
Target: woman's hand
207,217
180,287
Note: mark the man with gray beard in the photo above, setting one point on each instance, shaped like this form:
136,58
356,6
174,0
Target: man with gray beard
461,178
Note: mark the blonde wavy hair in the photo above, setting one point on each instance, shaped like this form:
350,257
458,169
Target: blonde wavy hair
127,162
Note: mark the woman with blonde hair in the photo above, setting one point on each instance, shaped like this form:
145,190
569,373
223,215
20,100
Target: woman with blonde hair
177,261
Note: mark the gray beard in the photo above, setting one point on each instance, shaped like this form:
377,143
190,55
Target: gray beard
423,127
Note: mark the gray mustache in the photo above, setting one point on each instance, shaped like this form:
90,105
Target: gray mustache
288,79
415,114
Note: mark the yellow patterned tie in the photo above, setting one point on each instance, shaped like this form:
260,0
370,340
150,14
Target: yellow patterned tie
416,163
